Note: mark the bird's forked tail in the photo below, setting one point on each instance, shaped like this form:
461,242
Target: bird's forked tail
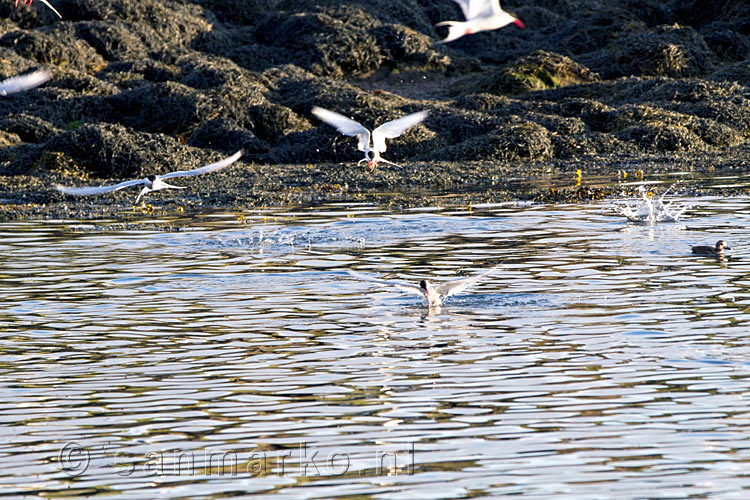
456,29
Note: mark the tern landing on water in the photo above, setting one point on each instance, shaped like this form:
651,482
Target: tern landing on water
24,82
45,2
434,295
481,15
388,130
152,182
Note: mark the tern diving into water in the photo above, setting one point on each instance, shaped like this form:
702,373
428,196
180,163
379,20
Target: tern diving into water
24,82
45,2
152,182
434,295
481,15
388,130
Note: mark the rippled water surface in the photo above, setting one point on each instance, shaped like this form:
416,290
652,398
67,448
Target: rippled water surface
237,357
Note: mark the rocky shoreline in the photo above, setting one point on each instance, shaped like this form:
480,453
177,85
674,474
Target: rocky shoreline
144,87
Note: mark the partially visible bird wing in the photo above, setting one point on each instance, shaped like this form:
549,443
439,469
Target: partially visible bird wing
45,2
492,8
213,167
479,8
404,287
457,286
85,191
345,126
395,128
24,82
465,7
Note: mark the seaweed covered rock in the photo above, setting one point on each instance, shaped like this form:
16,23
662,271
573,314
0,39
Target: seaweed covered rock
518,140
241,12
109,150
225,135
673,51
57,46
155,24
345,40
28,127
157,107
537,71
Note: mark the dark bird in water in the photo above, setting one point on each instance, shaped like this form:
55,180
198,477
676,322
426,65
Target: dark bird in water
707,250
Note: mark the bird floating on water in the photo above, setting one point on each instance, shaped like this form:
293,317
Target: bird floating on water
24,82
481,15
434,295
45,2
717,250
388,130
152,182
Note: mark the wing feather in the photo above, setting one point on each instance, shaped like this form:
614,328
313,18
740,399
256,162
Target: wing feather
404,287
24,82
86,191
345,126
45,2
465,7
473,9
395,128
212,167
457,286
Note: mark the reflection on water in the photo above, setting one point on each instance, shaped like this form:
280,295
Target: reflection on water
232,358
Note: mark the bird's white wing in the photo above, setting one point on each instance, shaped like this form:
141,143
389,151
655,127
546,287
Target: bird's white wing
85,191
45,2
490,8
345,126
395,128
465,7
457,286
213,167
479,8
24,82
404,287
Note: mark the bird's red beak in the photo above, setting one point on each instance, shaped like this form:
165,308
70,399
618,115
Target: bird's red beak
519,23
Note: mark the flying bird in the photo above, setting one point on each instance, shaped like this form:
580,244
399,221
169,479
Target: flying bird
24,82
45,2
708,250
388,130
434,295
152,182
481,15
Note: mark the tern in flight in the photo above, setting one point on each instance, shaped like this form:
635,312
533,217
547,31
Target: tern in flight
388,130
152,182
45,2
24,82
434,295
481,15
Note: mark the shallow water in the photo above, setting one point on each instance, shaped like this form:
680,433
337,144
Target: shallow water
233,358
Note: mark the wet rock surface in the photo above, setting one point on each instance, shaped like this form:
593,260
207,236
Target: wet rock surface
146,86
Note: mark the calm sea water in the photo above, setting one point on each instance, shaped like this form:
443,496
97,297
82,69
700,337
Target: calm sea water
236,357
